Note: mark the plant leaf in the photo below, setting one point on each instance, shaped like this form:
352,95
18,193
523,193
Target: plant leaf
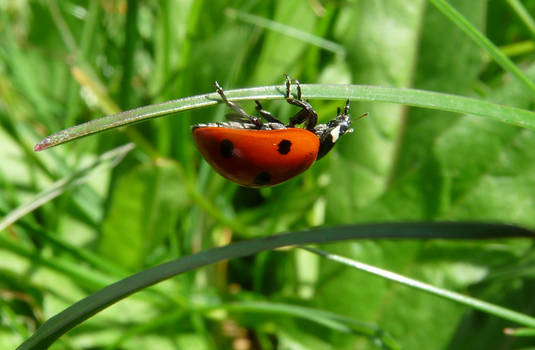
411,97
85,308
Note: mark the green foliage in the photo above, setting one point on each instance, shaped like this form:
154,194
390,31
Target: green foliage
63,63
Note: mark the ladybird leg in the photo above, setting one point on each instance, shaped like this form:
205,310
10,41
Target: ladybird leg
265,114
307,114
239,113
346,108
236,117
299,94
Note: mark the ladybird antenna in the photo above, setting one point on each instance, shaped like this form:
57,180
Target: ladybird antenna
362,116
346,107
338,111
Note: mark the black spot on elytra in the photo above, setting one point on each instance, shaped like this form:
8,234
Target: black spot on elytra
262,179
226,148
284,147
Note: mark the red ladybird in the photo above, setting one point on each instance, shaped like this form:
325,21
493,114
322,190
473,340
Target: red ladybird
254,153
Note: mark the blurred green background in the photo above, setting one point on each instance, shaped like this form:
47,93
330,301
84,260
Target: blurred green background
67,62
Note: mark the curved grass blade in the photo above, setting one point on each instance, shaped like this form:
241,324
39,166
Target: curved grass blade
480,39
517,49
64,184
298,34
323,318
83,276
87,307
520,332
477,304
522,13
411,97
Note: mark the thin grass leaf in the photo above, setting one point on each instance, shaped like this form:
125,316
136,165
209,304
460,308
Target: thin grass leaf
481,40
477,304
311,39
79,253
321,317
82,55
10,317
60,186
524,15
519,48
63,28
82,275
129,53
53,328
324,318
520,332
86,78
411,97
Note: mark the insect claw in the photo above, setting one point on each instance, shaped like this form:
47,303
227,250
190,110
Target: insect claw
288,82
346,108
298,90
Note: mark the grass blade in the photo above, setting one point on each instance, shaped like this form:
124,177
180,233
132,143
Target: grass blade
520,332
477,304
523,14
129,54
411,97
83,276
287,30
85,308
519,48
323,318
63,185
480,39
79,253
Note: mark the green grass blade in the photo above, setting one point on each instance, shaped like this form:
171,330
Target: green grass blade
324,318
63,185
519,48
523,14
411,97
480,39
82,275
79,253
90,28
129,54
477,304
63,27
321,317
287,30
520,332
85,308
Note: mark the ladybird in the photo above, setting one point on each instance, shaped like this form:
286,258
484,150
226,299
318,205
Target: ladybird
258,153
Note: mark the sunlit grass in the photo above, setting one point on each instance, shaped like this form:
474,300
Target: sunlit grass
449,137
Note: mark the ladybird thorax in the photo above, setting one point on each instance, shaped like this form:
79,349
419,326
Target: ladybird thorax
329,133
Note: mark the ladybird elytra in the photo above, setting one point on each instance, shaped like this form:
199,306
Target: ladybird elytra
257,158
261,151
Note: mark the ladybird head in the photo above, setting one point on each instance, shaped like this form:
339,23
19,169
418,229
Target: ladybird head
331,132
